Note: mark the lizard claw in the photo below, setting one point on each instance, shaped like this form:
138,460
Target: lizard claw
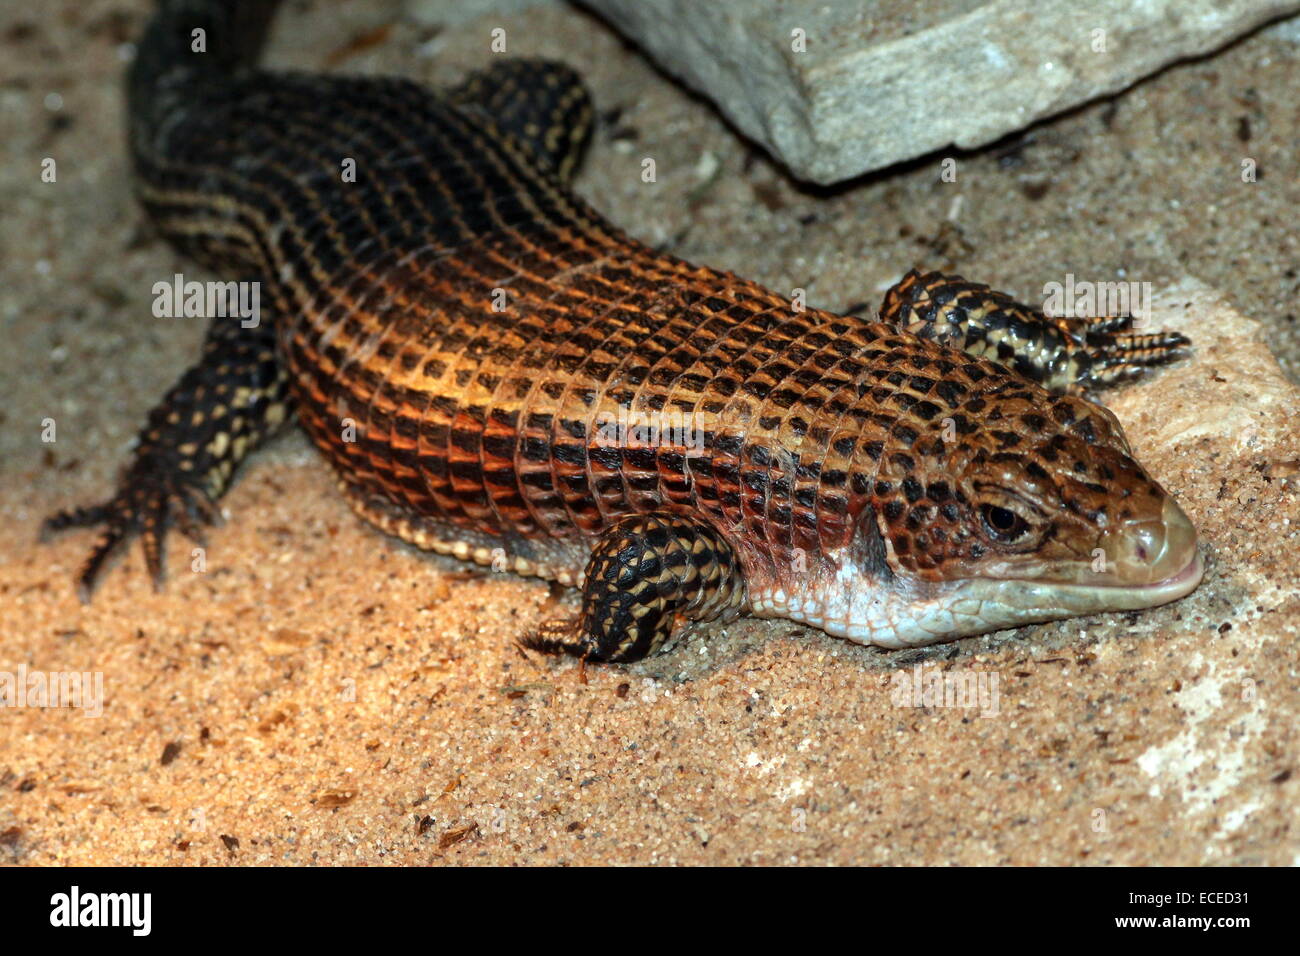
149,501
1114,354
557,637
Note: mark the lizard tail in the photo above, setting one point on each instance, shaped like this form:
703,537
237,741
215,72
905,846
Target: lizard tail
189,47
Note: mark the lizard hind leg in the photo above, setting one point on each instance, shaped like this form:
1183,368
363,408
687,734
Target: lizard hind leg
646,575
540,103
218,412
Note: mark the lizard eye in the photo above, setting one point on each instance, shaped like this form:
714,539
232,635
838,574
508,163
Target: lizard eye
1003,524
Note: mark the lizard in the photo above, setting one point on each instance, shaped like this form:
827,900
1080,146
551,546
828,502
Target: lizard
497,373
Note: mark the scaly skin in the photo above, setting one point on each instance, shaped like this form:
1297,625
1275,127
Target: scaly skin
468,344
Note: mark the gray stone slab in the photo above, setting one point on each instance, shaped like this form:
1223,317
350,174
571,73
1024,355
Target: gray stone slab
881,82
452,12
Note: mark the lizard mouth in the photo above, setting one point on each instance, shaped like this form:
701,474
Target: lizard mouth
1132,597
986,604
1170,588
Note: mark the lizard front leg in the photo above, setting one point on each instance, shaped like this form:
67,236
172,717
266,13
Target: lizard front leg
646,575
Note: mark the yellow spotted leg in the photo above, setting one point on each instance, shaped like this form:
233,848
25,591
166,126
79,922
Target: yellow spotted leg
647,575
220,410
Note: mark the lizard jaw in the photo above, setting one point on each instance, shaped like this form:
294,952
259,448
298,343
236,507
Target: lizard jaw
952,610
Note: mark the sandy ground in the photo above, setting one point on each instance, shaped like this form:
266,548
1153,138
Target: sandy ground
323,694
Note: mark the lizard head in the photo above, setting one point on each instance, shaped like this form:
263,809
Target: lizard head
1049,495
1032,508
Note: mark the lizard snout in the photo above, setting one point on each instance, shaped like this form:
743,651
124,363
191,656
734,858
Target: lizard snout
1152,551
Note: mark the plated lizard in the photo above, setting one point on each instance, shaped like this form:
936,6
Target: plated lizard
497,373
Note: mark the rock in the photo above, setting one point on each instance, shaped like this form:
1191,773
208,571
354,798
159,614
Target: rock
1231,390
447,13
1226,413
1221,431
881,82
